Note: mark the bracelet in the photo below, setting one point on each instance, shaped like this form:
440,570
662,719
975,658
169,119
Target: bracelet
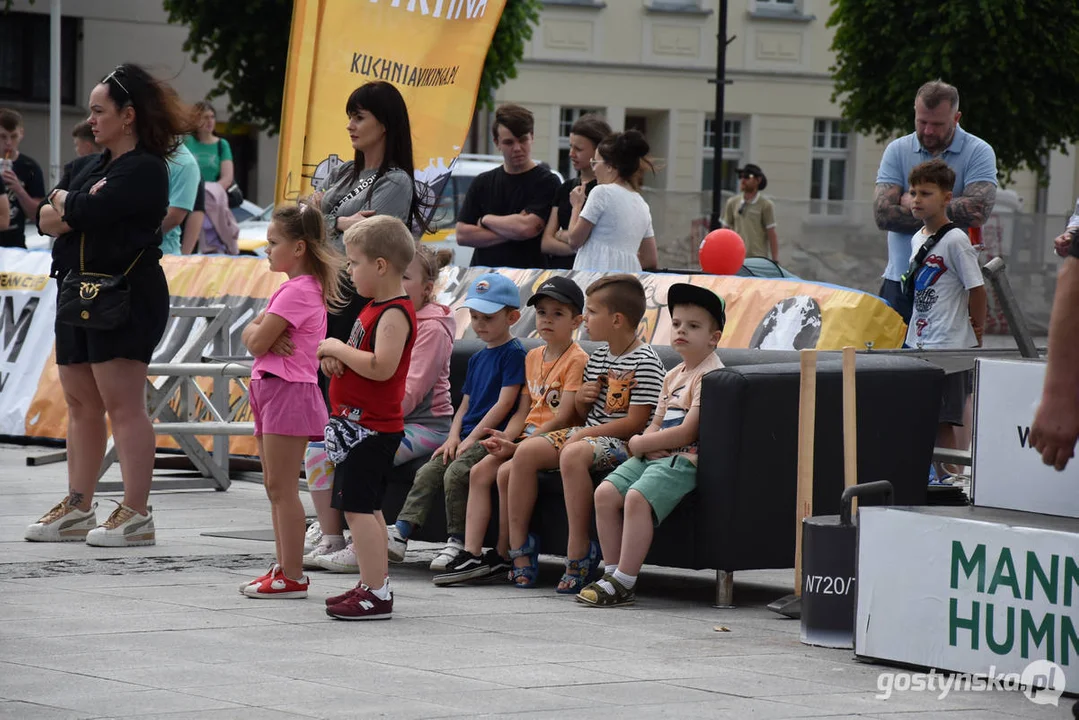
481,223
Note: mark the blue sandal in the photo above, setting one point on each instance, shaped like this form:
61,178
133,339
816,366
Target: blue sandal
529,572
580,573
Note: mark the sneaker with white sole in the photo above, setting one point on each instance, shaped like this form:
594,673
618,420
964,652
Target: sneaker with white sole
448,554
312,537
124,528
342,561
273,567
310,559
278,585
396,544
64,523
362,604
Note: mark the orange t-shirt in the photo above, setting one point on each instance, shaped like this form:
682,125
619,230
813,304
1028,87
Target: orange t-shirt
546,381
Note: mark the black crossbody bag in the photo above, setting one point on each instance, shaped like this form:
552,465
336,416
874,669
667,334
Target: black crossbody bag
94,301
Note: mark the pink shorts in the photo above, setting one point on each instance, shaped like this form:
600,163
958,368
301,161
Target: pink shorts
283,407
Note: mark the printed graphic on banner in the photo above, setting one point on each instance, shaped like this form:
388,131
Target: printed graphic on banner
27,309
808,315
433,52
761,314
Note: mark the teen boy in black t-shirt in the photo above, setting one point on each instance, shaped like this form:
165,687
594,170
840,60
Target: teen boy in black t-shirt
506,209
22,177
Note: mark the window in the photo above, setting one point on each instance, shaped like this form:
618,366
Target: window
24,57
731,155
828,184
788,7
566,118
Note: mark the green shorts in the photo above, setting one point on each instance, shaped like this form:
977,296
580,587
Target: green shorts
663,482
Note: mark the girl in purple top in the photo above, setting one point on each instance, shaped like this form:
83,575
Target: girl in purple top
285,399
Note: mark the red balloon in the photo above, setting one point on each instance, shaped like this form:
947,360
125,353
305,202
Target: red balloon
722,252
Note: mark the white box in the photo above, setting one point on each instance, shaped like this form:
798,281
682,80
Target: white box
1007,473
933,582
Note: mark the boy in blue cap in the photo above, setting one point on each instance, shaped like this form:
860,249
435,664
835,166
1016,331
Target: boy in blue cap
492,386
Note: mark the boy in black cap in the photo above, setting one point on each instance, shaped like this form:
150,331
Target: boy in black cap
643,490
553,374
752,215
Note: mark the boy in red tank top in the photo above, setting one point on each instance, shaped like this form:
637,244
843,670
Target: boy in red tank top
367,384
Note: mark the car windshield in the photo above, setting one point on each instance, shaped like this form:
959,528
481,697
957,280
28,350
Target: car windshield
450,202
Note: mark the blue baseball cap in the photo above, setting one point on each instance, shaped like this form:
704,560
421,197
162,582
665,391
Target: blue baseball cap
491,292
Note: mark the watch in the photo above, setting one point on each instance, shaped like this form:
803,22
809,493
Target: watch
481,223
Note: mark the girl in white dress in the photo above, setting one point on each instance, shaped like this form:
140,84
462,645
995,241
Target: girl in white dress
612,230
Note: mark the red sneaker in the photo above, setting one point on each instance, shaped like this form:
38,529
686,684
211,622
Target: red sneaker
338,599
362,605
273,566
276,585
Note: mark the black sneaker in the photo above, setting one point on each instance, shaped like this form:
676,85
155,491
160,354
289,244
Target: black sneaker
498,568
467,566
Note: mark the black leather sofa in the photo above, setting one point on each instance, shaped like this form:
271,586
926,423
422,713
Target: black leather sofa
742,514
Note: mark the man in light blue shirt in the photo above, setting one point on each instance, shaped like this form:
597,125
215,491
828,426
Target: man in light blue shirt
184,179
937,134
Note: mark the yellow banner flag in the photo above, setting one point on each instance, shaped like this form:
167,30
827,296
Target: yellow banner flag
433,51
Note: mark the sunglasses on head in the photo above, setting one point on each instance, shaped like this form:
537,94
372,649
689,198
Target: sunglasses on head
113,76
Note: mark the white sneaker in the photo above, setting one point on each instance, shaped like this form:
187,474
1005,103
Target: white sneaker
448,554
312,537
342,561
396,545
64,523
310,559
124,528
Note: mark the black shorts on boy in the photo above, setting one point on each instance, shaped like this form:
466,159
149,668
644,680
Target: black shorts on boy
359,481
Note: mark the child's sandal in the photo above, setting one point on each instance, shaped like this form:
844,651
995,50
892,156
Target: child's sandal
580,573
597,596
529,572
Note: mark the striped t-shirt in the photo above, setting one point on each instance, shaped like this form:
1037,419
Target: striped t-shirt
635,378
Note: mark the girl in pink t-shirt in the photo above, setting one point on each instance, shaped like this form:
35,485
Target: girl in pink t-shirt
285,399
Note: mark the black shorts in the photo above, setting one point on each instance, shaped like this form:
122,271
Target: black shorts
135,339
359,483
954,398
200,199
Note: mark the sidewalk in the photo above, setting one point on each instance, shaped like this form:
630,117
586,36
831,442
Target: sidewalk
161,632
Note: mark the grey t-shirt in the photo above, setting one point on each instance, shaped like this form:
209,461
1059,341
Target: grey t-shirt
391,195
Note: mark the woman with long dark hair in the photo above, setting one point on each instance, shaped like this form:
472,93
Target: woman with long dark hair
107,220
612,230
379,180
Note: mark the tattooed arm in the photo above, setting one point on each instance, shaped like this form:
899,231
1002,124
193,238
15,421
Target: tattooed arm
972,208
889,211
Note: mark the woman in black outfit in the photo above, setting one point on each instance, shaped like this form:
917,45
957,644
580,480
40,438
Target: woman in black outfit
106,217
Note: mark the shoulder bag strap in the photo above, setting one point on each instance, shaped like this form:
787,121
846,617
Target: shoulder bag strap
924,250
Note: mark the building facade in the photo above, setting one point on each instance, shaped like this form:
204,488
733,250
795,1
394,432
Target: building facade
96,36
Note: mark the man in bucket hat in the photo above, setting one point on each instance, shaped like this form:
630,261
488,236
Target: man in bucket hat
752,215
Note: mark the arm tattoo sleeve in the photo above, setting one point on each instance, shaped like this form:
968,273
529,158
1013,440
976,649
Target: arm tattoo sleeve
889,214
972,208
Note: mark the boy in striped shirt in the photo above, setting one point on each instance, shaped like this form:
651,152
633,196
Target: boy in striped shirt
622,382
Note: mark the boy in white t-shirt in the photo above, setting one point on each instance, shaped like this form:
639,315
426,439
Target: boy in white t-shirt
949,294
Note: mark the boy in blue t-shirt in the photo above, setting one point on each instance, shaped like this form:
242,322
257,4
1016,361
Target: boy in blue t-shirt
492,386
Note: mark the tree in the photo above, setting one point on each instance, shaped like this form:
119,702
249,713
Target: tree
246,50
1015,63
